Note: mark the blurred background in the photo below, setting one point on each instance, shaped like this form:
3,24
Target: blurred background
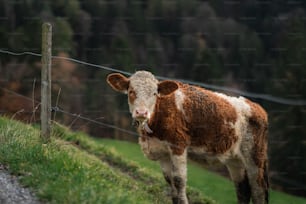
253,46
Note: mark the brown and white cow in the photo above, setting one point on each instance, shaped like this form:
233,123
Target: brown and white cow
175,119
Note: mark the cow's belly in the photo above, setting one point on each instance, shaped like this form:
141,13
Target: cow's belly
153,148
200,154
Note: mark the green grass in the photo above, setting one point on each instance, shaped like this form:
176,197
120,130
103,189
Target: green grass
61,173
210,184
74,168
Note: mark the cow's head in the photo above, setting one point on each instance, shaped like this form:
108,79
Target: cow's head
142,89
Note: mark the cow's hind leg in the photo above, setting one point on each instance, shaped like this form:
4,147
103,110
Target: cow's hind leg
257,172
258,184
240,178
256,162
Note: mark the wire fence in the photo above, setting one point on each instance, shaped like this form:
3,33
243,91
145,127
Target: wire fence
267,97
56,108
75,115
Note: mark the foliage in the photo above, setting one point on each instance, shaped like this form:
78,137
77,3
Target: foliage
289,72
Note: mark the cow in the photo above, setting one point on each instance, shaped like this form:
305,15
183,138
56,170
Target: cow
175,119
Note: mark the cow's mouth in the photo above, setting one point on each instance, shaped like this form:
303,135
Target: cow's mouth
143,124
141,119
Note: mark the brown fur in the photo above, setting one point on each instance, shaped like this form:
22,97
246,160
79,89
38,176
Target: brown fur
168,124
209,118
207,122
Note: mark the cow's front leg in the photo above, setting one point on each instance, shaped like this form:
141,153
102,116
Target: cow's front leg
179,176
166,166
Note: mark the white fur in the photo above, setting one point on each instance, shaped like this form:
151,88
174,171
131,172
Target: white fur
238,102
179,163
179,100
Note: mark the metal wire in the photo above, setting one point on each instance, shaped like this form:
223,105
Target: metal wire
266,97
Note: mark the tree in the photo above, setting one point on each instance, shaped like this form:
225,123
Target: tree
287,127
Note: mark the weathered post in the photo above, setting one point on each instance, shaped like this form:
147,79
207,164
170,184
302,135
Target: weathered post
45,114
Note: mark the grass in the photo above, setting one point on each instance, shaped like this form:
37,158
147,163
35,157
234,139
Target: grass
217,187
61,173
74,168
150,176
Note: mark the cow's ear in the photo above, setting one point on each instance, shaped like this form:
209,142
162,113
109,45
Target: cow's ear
167,87
118,82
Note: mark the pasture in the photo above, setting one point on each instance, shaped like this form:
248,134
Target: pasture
75,168
210,184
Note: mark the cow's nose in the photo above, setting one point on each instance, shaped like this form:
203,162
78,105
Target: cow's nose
141,113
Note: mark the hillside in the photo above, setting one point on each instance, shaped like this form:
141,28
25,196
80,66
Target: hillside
74,168
210,184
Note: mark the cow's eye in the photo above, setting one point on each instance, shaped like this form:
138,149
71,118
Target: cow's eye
132,96
132,93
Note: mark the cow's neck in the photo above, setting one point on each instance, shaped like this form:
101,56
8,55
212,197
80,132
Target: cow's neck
165,118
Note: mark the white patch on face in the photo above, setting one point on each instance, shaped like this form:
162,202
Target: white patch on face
144,85
179,100
145,100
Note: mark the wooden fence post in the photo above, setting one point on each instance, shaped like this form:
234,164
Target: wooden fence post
45,114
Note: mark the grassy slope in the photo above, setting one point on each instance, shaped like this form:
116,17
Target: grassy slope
217,187
73,168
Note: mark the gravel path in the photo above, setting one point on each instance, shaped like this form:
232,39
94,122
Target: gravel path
11,192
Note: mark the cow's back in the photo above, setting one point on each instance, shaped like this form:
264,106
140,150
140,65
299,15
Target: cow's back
215,121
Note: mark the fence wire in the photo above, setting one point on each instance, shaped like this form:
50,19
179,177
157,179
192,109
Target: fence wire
267,97
76,115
